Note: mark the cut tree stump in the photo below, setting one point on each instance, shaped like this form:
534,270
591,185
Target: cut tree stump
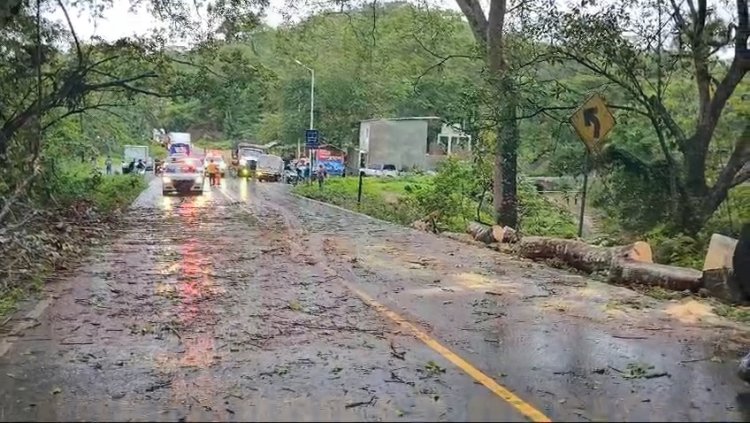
726,270
741,260
720,251
640,251
722,284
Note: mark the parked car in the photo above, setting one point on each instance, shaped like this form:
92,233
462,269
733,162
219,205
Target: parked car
386,170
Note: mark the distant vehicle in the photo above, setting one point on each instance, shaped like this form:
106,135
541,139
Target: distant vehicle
245,158
179,137
387,170
291,177
134,153
182,178
182,158
179,143
270,167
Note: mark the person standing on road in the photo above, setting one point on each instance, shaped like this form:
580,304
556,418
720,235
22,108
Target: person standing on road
108,164
321,175
213,171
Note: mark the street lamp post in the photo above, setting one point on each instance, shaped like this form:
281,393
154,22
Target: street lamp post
312,106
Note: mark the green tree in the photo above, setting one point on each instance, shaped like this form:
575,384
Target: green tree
650,68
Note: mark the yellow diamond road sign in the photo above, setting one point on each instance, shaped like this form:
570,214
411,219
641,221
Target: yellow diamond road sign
592,121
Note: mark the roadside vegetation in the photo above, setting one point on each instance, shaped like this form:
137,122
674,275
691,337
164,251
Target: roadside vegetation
74,210
452,198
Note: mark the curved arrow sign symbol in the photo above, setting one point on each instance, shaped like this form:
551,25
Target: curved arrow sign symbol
590,118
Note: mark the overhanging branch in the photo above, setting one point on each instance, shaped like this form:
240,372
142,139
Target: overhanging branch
72,32
438,64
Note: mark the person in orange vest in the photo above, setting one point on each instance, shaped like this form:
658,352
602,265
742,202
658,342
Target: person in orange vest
213,173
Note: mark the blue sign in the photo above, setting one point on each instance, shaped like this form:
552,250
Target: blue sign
311,138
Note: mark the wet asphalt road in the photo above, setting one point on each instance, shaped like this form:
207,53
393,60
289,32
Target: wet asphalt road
248,303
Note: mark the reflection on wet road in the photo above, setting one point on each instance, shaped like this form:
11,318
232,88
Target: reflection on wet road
248,303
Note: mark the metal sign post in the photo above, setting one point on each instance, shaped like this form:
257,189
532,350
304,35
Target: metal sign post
586,170
592,121
359,189
311,142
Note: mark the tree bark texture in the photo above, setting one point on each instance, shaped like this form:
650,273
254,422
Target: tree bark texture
629,264
489,234
488,32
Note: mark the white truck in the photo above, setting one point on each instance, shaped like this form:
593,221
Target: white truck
179,143
133,153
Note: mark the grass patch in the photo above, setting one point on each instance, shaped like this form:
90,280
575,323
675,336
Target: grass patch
540,216
9,299
383,199
116,192
404,200
76,182
737,313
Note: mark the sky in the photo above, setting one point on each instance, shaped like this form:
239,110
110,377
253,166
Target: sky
119,21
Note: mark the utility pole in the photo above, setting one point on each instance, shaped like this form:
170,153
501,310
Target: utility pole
312,108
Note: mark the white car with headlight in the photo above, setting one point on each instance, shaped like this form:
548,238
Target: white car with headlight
182,178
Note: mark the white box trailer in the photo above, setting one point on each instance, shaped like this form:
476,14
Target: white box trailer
134,153
179,137
179,143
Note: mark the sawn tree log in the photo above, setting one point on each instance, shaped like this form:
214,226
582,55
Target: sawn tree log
630,264
489,234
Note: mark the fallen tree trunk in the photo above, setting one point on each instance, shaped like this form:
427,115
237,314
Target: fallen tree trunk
504,234
465,238
576,254
427,224
489,234
653,274
480,232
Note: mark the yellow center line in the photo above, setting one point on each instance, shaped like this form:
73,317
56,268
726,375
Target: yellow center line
528,410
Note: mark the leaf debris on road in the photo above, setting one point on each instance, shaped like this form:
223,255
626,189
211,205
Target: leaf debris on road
433,369
640,371
395,353
361,403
